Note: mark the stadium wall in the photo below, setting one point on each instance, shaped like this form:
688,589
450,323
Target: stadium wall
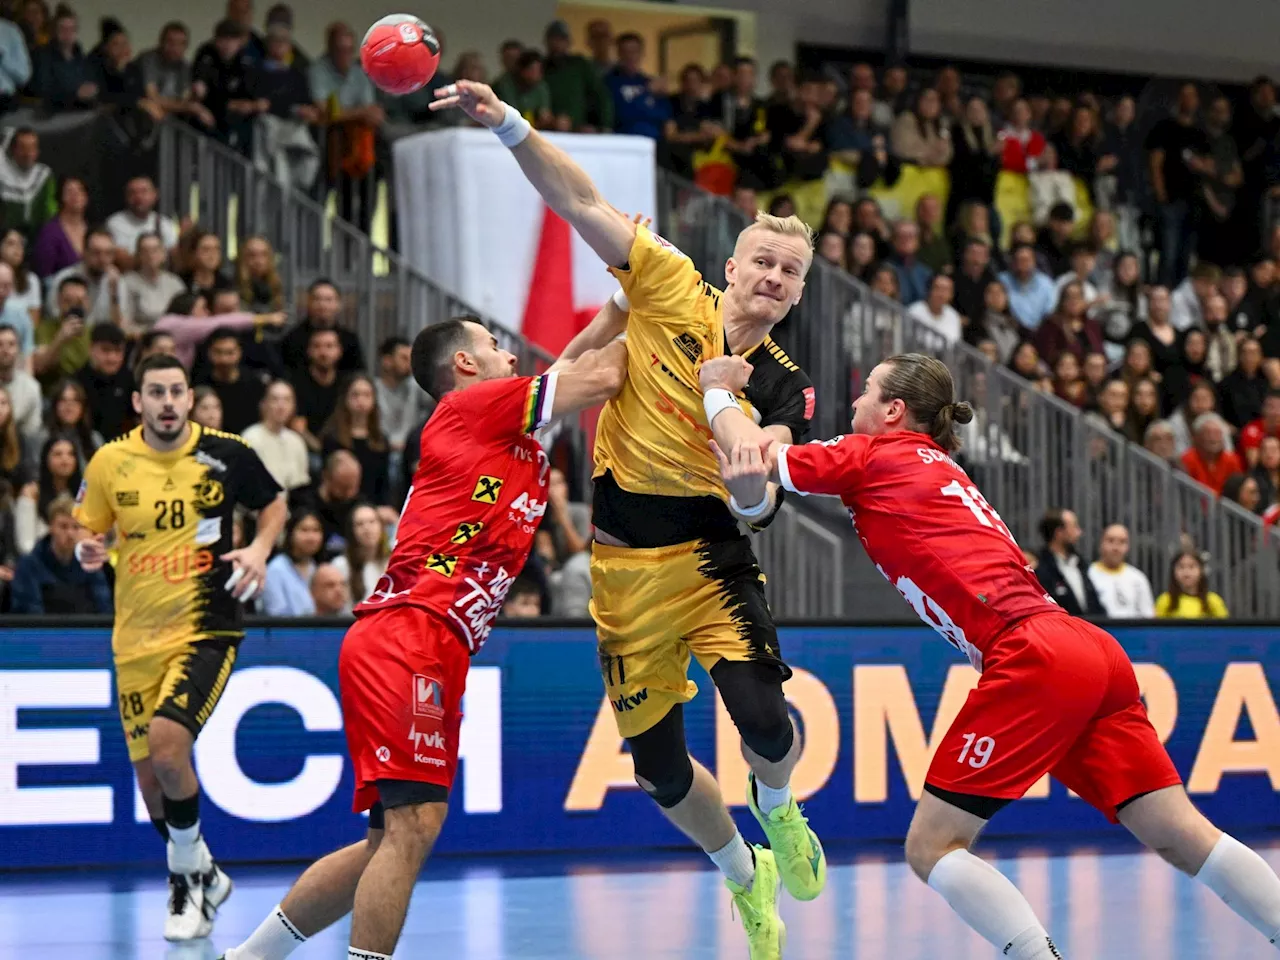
543,768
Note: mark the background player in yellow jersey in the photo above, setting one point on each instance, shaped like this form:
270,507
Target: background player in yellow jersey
169,488
673,576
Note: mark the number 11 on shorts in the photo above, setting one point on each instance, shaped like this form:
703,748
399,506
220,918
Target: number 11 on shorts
977,749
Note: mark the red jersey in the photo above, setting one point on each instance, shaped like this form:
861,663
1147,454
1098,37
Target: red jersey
1254,433
928,531
477,498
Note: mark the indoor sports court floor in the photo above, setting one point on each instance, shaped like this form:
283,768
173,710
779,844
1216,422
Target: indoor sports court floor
1111,903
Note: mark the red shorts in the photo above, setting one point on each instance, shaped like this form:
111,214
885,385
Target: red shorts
402,673
1059,696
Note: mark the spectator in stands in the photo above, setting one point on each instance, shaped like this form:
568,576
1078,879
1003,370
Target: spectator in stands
1022,146
508,54
1235,288
838,217
858,140
1053,242
146,291
919,136
117,83
330,592
1125,183
1201,399
1177,155
13,314
973,222
1123,305
1068,384
59,476
1083,259
782,83
913,276
257,277
688,130
62,75
334,498
368,550
281,85
1094,366
526,90
21,388
1189,596
70,418
189,322
101,277
740,116
640,106
1190,370
1077,148
1032,295
1058,566
220,77
15,62
283,451
139,217
1221,357
401,402
239,389
324,304
1159,440
600,43
1123,590
49,580
156,343
868,218
1256,129
62,340
1267,471
1137,364
204,272
936,314
1217,239
107,383
15,466
166,79
1244,389
1102,235
1188,300
893,87
27,188
862,79
26,285
240,12
884,281
975,160
995,324
287,592
578,93
1266,425
1144,408
317,387
1209,461
524,600
355,426
61,241
1243,490
862,256
832,248
1113,405
1158,332
1005,92
207,409
935,248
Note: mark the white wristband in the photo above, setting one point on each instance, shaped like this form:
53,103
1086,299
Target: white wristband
513,129
757,510
621,302
715,401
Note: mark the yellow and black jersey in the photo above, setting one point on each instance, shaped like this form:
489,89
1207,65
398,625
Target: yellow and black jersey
657,482
173,512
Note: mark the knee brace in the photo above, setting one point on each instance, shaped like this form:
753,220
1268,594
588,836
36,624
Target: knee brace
661,760
752,693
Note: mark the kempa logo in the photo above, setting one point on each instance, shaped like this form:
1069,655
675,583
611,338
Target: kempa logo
383,754
625,703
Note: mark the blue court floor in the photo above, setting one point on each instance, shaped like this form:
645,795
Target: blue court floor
1114,903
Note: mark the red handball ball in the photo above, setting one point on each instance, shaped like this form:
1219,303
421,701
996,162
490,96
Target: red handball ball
400,54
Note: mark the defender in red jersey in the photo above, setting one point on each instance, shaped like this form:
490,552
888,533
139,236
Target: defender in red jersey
466,530
1057,695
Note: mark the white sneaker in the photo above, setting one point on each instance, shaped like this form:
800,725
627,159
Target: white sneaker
217,887
186,919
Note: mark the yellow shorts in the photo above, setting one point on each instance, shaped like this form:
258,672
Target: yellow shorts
181,684
655,607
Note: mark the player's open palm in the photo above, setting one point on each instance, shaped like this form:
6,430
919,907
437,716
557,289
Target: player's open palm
476,100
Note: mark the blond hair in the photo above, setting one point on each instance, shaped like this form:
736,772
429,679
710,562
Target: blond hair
791,226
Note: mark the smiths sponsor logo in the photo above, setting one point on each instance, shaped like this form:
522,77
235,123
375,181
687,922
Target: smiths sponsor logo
689,345
126,498
428,697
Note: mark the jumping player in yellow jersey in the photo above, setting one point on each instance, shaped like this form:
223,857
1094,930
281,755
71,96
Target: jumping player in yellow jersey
169,488
672,574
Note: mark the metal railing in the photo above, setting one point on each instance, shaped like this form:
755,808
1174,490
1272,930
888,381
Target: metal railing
384,295
1028,451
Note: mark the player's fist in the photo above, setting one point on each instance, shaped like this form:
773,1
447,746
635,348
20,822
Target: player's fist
476,100
726,373
744,471
92,553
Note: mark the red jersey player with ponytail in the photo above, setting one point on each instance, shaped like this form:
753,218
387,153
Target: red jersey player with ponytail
1057,694
466,530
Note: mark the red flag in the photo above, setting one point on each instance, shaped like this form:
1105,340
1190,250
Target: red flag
549,316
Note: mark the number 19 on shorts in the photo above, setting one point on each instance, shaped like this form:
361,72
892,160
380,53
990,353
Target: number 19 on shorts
977,750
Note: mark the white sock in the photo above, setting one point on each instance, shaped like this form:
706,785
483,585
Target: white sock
185,849
274,939
354,954
1245,883
769,799
736,861
988,902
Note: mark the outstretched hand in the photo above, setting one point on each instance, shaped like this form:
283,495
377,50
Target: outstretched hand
476,100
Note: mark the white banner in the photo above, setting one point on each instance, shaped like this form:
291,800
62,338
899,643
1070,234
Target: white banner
471,222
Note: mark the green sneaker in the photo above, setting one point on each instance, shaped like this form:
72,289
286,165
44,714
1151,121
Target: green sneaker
758,906
800,859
